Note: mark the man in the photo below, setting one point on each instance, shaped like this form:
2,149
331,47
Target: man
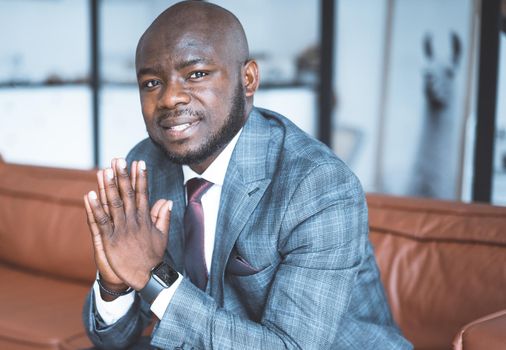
271,253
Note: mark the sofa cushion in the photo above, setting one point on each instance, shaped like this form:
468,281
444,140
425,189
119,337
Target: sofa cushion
443,264
42,220
39,312
484,333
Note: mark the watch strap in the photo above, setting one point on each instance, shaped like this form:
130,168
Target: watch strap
162,277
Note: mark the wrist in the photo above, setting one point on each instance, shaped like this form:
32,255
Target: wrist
116,287
111,291
162,277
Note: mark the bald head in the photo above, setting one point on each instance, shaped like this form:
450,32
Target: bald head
196,22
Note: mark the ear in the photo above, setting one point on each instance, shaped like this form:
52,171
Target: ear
250,78
427,46
456,48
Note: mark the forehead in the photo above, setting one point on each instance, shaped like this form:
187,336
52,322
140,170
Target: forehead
172,47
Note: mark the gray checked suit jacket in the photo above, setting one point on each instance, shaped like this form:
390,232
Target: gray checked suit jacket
292,266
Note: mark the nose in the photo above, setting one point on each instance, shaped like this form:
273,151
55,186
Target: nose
172,95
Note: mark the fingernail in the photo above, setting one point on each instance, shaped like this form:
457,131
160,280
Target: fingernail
92,195
122,163
109,173
170,205
142,165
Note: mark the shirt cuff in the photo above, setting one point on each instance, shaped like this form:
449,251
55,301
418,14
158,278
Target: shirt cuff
161,302
112,311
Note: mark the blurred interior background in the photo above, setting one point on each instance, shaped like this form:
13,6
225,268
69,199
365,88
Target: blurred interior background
411,94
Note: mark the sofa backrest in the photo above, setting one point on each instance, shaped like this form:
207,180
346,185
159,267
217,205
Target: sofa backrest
43,223
443,264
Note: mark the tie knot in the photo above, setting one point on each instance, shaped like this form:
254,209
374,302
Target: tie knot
196,188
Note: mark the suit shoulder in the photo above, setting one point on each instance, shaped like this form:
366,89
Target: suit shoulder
144,150
300,151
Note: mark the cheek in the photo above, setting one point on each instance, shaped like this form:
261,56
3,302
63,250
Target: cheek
148,109
216,102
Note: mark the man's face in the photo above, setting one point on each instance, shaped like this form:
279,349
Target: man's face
191,95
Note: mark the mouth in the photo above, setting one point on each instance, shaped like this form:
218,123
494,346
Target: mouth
180,131
180,127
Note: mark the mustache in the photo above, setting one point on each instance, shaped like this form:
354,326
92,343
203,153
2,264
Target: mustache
169,114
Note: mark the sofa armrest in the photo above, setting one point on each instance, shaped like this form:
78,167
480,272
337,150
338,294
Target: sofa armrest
487,332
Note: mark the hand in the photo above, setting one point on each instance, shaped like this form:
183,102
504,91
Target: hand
128,238
107,275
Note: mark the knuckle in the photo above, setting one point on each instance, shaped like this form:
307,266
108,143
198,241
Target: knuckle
123,175
135,222
140,217
116,203
112,184
142,191
130,193
103,220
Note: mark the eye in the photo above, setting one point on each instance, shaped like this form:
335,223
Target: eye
151,83
197,75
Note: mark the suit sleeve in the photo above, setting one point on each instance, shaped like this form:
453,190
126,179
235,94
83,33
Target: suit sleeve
120,335
322,241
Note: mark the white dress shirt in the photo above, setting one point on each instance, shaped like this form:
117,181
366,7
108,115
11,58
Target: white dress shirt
112,311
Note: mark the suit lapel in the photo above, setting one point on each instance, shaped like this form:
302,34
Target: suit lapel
245,183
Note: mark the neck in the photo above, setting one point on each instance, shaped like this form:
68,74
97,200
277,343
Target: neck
202,166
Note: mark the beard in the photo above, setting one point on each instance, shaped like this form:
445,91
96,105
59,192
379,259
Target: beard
217,141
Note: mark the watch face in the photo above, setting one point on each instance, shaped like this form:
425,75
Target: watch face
166,273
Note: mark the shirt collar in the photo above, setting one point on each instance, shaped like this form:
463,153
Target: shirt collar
215,173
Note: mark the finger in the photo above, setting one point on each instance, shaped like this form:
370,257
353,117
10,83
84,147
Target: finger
91,219
141,188
163,221
156,209
98,215
125,187
101,191
113,198
133,172
98,246
113,166
95,232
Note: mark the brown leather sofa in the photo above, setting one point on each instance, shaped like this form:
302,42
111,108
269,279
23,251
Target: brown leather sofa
46,259
443,264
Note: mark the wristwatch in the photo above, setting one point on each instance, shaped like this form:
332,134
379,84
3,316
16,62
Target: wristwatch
162,277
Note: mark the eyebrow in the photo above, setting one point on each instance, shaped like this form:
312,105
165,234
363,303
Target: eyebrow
192,62
157,69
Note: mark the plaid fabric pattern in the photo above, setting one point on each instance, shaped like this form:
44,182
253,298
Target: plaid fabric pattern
293,211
